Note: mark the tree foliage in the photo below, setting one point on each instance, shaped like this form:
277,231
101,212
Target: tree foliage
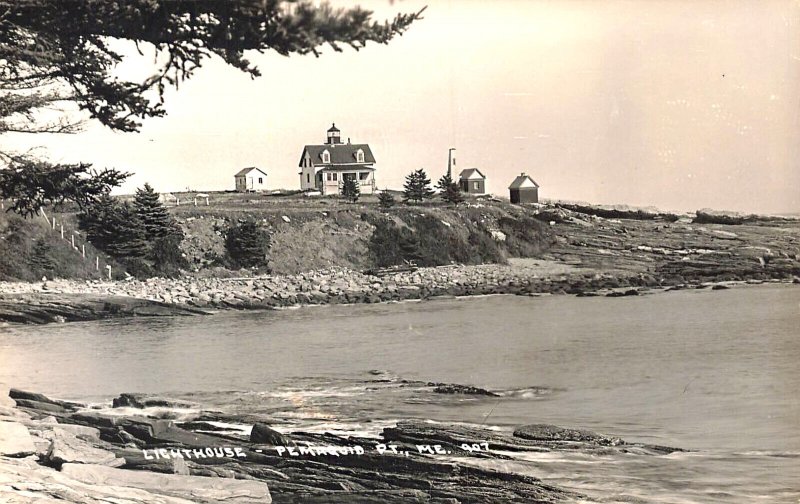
247,244
350,189
417,187
33,184
56,52
115,228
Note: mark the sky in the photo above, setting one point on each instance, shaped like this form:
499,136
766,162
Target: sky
675,104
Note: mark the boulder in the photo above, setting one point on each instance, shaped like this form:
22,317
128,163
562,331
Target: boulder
15,440
196,488
264,434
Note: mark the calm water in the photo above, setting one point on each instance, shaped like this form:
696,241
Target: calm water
714,372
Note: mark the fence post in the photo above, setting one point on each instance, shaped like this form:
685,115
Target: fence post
83,250
62,231
54,223
108,267
97,263
73,241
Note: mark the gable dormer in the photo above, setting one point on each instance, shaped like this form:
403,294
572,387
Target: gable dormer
326,156
359,156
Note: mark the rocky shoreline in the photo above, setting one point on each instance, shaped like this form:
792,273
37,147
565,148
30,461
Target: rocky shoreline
69,300
57,450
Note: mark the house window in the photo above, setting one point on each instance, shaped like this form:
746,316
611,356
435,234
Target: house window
363,175
260,180
476,185
335,177
326,157
308,178
328,177
360,156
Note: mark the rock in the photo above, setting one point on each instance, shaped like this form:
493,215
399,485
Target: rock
546,432
264,434
18,394
25,481
68,448
454,388
5,399
197,488
144,401
15,440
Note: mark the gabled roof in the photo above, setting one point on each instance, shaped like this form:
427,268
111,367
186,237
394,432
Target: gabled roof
245,171
517,183
469,172
340,153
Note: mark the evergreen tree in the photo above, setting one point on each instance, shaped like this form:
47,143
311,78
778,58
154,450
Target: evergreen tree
386,200
40,257
129,236
449,190
115,228
247,244
444,182
417,187
153,214
350,189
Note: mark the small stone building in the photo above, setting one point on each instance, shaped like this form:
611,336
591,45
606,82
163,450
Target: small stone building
524,190
472,181
251,179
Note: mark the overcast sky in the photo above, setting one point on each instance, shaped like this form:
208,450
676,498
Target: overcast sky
676,104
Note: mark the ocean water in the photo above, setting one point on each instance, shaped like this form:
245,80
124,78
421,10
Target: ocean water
712,372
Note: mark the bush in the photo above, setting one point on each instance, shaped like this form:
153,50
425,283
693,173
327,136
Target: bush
246,244
167,257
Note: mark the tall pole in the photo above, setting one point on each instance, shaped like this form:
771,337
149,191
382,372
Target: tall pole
450,163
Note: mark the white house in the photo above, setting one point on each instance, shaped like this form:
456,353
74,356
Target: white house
251,179
325,167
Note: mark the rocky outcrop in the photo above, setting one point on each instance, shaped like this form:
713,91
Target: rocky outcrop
195,488
47,307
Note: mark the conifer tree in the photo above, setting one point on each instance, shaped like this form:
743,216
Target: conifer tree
40,257
247,244
129,236
449,190
386,200
350,189
153,214
417,187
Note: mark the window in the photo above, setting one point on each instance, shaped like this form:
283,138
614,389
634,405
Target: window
335,177
363,175
260,180
326,157
308,178
476,185
328,177
359,156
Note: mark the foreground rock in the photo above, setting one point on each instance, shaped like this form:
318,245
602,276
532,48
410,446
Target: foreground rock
161,461
196,488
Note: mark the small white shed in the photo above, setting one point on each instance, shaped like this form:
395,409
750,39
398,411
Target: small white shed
251,179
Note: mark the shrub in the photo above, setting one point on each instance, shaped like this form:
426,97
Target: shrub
524,235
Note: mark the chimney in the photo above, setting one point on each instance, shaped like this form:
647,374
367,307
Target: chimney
348,140
522,174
